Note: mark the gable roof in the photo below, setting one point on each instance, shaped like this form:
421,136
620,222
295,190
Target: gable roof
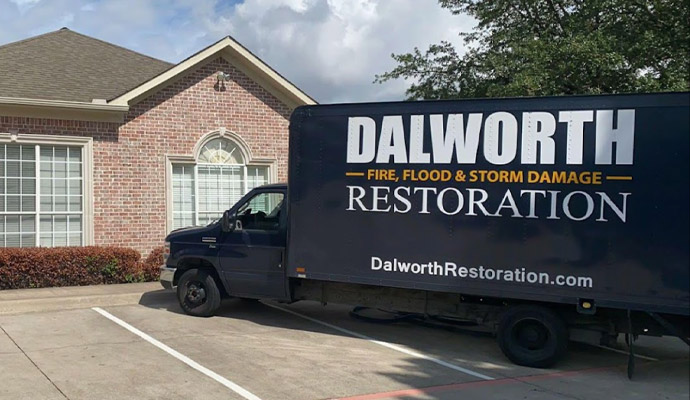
65,65
237,55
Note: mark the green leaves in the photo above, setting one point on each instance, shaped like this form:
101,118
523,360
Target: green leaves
71,266
555,47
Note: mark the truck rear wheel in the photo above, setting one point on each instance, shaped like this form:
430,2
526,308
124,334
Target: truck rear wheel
532,336
198,293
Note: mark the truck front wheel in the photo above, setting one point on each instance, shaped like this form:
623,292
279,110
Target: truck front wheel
532,336
198,293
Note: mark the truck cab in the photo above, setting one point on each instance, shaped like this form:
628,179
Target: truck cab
240,255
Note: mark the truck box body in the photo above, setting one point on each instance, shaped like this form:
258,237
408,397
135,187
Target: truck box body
547,199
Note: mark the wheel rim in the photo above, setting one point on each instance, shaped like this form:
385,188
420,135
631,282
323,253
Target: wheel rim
195,295
530,334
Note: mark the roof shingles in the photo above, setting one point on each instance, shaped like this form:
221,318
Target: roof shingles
65,65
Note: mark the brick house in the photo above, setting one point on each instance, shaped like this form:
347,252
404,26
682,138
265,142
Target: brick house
100,145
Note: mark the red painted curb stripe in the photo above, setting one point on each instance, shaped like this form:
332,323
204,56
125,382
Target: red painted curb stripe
473,384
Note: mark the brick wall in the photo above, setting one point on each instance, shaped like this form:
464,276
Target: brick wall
129,159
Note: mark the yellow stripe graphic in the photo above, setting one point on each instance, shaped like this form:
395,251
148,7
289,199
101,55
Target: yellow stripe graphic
354,174
618,178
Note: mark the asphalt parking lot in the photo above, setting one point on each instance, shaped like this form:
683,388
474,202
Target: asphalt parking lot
257,350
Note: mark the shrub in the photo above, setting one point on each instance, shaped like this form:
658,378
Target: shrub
74,266
150,268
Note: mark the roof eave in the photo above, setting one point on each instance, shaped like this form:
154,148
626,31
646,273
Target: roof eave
61,109
239,56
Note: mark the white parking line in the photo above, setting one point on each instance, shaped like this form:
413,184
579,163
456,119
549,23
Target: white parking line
225,382
625,352
385,344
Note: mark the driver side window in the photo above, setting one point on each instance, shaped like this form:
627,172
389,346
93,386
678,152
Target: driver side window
261,212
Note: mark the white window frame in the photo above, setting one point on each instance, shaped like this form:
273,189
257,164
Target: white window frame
86,144
170,159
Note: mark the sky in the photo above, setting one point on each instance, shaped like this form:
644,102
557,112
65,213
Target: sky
331,49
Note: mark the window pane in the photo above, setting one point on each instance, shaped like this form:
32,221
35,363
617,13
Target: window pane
182,220
12,223
60,170
61,230
61,191
46,153
17,195
13,185
12,240
28,240
220,187
74,239
60,223
28,223
220,184
183,196
46,203
13,152
13,203
207,218
60,203
28,153
46,225
220,151
261,212
74,170
74,154
256,176
46,239
46,170
13,168
75,186
60,239
74,203
74,223
28,203
28,186
46,187
28,169
60,154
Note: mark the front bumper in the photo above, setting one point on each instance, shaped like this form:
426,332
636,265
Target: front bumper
167,277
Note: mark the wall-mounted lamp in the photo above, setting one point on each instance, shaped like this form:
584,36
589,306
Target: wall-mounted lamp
222,77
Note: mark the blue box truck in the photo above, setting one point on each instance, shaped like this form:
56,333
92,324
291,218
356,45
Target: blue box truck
533,218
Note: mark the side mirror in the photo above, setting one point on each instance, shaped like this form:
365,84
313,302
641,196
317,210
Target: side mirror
227,223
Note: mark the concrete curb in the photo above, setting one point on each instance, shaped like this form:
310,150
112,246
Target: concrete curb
69,298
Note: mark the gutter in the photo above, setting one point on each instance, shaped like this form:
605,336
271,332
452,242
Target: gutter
61,109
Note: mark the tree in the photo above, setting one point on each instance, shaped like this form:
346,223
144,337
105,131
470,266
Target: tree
555,47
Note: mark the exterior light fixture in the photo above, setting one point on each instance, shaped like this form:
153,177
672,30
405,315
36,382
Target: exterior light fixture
222,76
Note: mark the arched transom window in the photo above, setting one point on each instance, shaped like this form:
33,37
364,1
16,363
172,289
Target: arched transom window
220,151
219,178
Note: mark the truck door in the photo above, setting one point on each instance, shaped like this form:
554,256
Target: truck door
251,255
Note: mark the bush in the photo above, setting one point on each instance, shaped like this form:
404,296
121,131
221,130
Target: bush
150,268
75,266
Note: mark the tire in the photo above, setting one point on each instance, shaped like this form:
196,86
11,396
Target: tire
198,293
532,336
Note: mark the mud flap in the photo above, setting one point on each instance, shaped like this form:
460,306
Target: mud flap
630,339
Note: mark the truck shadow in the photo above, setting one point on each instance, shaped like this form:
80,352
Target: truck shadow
474,350
257,312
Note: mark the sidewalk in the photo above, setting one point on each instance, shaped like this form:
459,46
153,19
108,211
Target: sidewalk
65,298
